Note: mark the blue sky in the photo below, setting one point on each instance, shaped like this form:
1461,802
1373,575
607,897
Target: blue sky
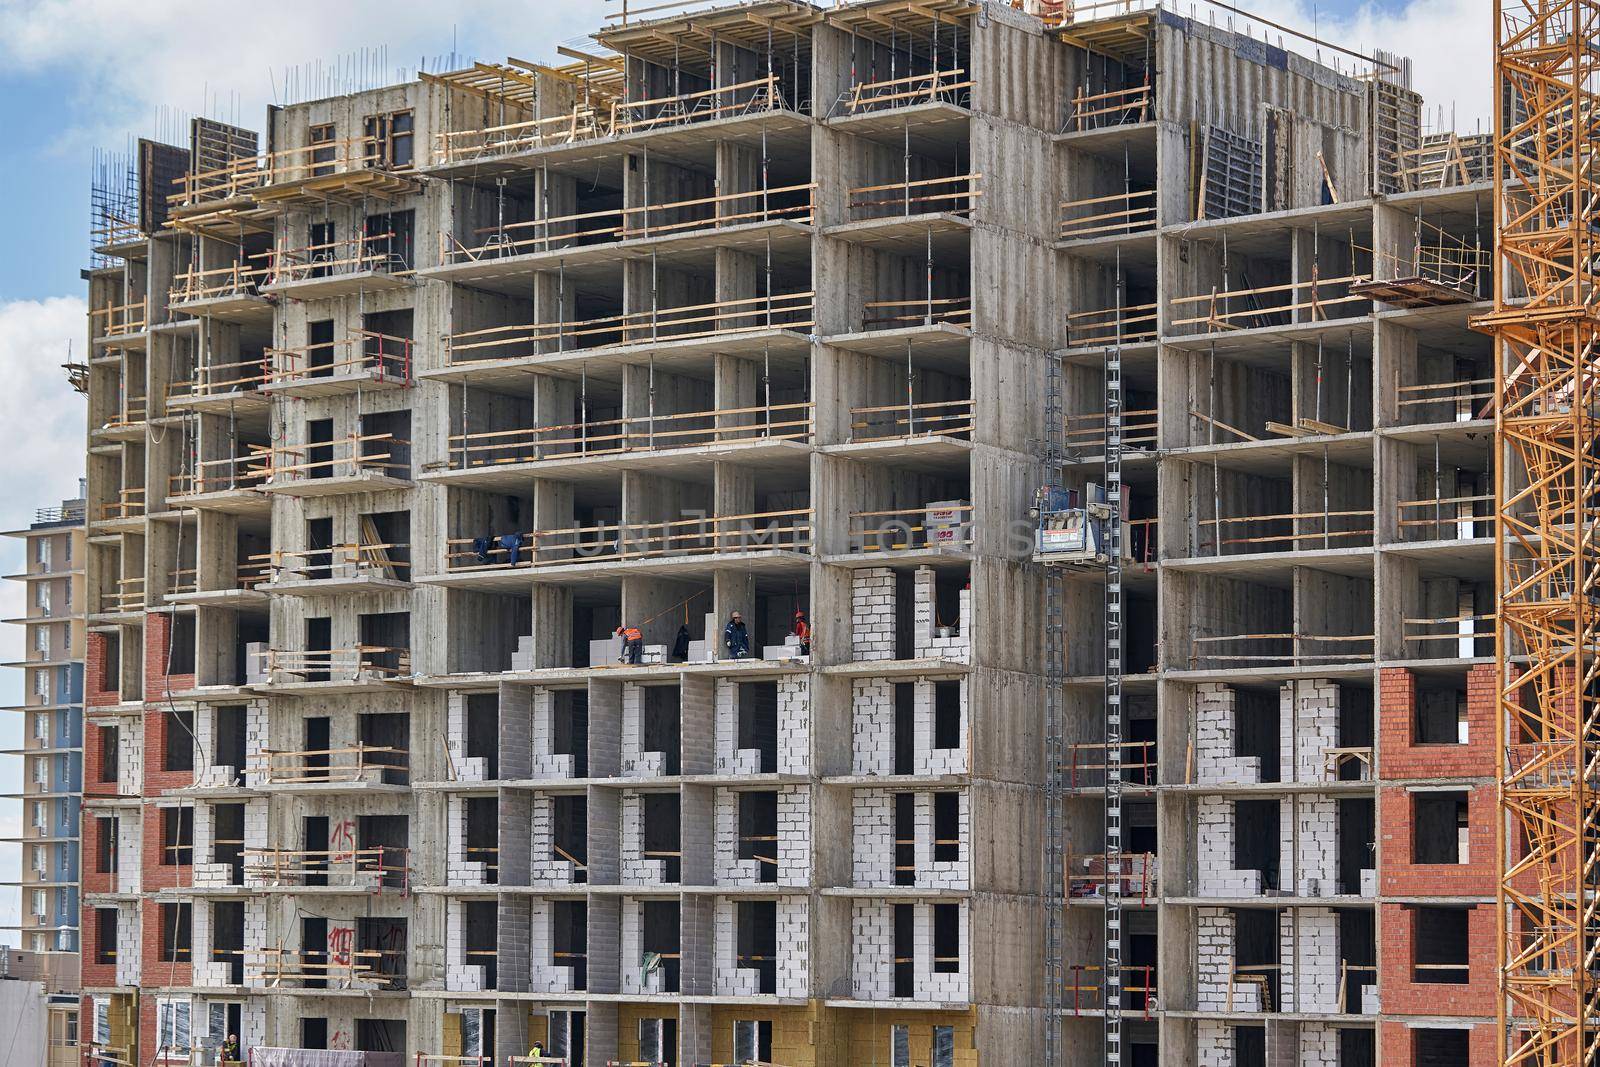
80,74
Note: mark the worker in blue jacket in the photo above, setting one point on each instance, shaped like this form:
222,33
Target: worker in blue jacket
736,637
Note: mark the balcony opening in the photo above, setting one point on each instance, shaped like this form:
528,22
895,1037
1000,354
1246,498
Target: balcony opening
1256,729
1249,1046
1256,838
388,838
314,834
227,938
569,728
111,665
1357,842
252,631
320,346
319,650
381,1035
386,642
905,838
228,740
1358,955
1255,948
660,939
946,827
757,949
1439,827
594,619
384,548
389,237
658,1040
480,922
105,841
569,941
385,445
758,722
1433,1047
905,950
105,935
381,944
947,732
175,932
314,964
1355,729
663,836
905,732
483,835
483,732
318,557
946,938
758,832
318,759
177,745
313,1032
662,726
569,817
177,837
180,653
385,741
110,754
227,839
1440,716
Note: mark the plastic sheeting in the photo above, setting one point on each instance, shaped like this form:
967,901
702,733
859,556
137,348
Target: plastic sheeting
320,1057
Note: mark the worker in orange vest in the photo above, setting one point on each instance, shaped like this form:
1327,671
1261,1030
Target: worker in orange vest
632,644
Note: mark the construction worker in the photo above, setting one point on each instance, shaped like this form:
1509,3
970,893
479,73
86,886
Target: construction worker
802,630
536,1053
736,638
632,644
230,1049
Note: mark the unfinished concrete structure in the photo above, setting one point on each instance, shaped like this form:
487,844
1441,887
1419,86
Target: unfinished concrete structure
400,410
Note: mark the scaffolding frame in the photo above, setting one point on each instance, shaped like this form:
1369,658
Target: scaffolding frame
1548,723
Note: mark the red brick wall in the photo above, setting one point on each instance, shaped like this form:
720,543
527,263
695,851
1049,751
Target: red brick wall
94,669
1398,876
1400,758
157,637
94,974
153,970
1396,1043
157,720
155,874
93,880
1402,996
93,761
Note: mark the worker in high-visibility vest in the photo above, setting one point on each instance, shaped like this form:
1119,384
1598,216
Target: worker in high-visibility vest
536,1053
632,644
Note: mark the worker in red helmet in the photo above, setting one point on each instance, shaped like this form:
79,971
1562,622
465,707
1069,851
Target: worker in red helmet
802,630
632,644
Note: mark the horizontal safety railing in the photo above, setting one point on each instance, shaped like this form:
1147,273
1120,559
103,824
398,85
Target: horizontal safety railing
1089,875
1314,300
1130,325
1447,518
129,504
287,866
347,457
380,660
373,559
1088,761
357,763
383,356
1088,991
249,471
936,418
1430,637
791,203
929,311
243,375
902,529
1114,107
465,146
119,320
182,580
1288,532
627,542
725,318
128,595
1119,214
728,101
1086,434
642,433
299,163
1280,650
388,253
940,86
1460,401
953,195
132,412
236,279
359,968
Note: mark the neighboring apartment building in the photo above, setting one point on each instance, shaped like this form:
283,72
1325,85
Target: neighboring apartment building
400,410
51,765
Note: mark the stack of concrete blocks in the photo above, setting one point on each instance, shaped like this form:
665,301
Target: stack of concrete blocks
1214,730
459,975
872,853
208,775
257,741
926,642
1319,1046
463,768
790,649
930,760
637,763
946,874
743,762
707,649
1214,833
794,725
130,844
1308,946
129,943
130,764
791,850
636,869
1214,1043
941,987
545,975
604,652
461,870
208,969
872,950
255,663
872,727
1316,840
1214,964
547,763
793,937
635,981
872,615
547,869
522,657
207,875
255,940
1306,735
